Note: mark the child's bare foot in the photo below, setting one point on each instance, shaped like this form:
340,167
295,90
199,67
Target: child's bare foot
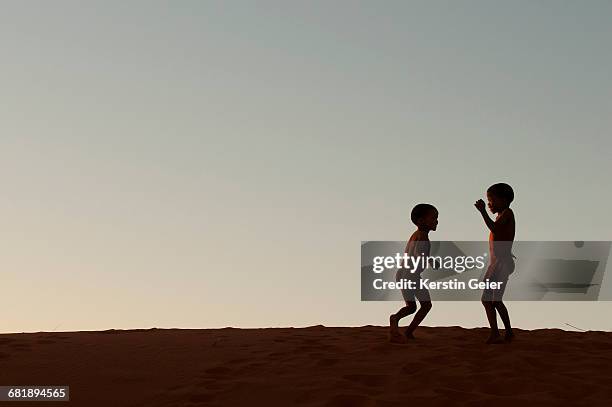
508,336
396,337
393,322
408,334
394,334
494,338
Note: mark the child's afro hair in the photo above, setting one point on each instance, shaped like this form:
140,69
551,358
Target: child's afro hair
421,210
502,190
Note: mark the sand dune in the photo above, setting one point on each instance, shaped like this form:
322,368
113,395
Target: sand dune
312,366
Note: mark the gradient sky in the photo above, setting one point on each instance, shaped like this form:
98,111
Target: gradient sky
206,164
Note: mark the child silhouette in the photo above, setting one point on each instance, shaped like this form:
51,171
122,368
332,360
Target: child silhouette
501,265
425,217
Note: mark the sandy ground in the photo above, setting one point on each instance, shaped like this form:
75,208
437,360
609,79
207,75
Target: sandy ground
310,367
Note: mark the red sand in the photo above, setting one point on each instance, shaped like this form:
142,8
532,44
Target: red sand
311,366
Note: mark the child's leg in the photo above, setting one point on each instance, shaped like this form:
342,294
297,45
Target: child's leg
418,317
507,267
489,298
410,308
394,319
491,316
394,335
425,302
503,313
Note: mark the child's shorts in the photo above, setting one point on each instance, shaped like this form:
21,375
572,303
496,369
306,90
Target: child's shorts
500,272
418,293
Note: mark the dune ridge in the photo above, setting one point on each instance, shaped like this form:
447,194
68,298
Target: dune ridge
314,366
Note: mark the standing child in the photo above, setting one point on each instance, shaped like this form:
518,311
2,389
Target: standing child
425,217
501,237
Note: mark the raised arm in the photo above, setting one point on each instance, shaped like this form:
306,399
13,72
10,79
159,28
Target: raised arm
493,225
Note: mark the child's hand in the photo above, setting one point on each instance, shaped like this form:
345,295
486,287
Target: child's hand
480,205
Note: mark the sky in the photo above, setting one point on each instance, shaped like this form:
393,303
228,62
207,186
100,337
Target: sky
199,164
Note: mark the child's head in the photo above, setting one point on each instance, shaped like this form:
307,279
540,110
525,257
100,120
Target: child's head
499,196
425,216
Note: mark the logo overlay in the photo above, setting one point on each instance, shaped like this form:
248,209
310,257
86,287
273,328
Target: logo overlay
461,270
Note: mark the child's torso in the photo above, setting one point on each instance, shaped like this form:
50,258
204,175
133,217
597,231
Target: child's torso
418,246
500,242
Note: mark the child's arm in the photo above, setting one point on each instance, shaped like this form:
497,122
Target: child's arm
493,225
